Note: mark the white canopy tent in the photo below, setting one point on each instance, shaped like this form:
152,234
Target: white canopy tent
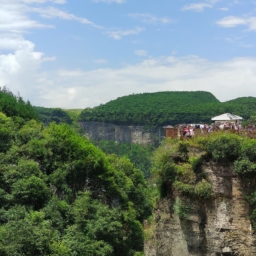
227,117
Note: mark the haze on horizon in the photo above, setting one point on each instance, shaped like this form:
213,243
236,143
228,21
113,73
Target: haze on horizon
82,53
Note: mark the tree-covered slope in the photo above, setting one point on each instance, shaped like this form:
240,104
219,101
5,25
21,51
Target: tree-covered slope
61,196
161,108
57,115
12,105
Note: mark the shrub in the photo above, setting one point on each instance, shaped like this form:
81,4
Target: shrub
224,148
186,174
244,165
248,149
203,189
184,189
180,208
196,164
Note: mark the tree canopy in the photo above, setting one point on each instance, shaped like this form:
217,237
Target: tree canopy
61,195
57,115
12,105
161,108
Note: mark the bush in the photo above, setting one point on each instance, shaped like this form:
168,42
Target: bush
180,208
196,164
244,165
224,148
186,174
184,189
203,189
248,149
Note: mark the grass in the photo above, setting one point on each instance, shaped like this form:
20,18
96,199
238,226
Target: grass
73,113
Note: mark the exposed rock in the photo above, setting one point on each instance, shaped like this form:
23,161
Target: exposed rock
218,226
128,134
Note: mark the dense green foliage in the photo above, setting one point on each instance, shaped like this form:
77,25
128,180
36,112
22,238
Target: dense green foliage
57,115
15,106
60,195
161,108
139,155
177,171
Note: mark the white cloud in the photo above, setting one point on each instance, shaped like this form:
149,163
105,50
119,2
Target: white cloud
198,7
13,18
118,34
233,21
141,53
110,1
100,61
14,15
149,18
13,42
224,9
52,12
82,88
18,70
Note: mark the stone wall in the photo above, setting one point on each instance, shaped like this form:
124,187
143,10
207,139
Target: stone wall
128,134
219,226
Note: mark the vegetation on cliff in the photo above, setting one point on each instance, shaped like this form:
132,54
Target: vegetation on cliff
179,171
161,108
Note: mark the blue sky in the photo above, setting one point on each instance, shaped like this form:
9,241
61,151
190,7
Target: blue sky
82,53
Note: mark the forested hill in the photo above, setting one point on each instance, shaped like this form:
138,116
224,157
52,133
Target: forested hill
161,108
57,115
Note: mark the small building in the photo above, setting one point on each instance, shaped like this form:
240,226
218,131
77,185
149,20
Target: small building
227,117
170,131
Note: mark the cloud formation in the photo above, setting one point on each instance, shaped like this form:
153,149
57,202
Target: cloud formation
149,18
14,15
141,53
21,64
198,7
233,21
87,88
119,33
52,12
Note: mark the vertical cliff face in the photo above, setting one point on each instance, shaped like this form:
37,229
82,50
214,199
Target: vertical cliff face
218,226
128,134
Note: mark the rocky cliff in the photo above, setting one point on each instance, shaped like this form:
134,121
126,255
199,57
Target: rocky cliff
217,226
128,134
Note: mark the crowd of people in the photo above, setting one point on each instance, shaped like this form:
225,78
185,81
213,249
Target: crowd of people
189,130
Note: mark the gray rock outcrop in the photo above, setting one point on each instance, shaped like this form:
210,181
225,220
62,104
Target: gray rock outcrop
128,134
218,226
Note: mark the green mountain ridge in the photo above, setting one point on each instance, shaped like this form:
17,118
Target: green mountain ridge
161,108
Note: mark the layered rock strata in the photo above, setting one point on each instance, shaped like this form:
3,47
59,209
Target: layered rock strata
218,226
128,134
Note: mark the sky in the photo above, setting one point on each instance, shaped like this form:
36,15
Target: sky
83,53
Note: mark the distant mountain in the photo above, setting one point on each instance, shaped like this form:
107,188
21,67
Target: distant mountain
161,108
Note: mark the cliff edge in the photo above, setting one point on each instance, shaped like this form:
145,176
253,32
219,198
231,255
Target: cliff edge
204,210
